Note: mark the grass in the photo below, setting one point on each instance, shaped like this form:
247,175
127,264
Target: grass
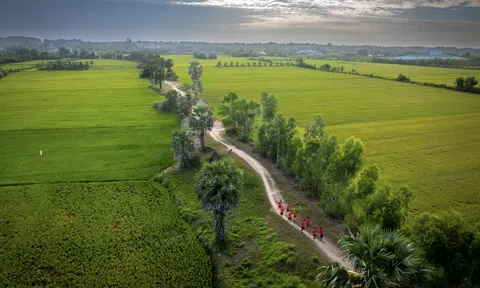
98,234
90,125
415,73
260,250
423,137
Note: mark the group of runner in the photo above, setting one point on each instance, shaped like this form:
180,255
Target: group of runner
292,216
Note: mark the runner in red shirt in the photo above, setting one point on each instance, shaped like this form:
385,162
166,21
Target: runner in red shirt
295,214
308,221
288,207
230,151
279,204
302,225
321,233
290,216
281,211
314,233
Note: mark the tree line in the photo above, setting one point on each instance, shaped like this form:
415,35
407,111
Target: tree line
20,54
259,63
64,65
200,55
335,175
461,84
471,61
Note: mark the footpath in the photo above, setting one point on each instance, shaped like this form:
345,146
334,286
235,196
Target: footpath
327,247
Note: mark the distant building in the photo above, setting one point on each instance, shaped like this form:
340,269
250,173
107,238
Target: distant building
435,52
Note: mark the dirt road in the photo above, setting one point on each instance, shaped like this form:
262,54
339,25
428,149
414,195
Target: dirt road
274,195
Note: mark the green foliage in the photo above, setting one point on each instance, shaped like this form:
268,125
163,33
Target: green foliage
451,246
218,187
269,106
253,255
195,70
201,121
200,55
380,258
21,54
314,129
403,78
183,148
121,234
171,101
367,201
64,65
238,116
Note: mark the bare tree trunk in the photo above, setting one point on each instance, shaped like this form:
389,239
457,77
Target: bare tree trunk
202,140
219,227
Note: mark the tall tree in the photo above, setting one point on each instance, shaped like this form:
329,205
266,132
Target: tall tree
195,70
269,106
380,258
315,128
450,245
202,120
218,187
460,84
183,148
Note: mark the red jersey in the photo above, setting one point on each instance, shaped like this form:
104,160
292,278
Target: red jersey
281,210
314,233
289,215
280,204
321,232
295,214
288,207
302,224
308,221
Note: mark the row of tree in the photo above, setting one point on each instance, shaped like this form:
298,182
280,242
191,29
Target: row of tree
335,175
469,62
201,55
254,64
467,84
64,65
20,54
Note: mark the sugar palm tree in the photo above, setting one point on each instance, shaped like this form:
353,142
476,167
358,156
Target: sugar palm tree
380,259
218,187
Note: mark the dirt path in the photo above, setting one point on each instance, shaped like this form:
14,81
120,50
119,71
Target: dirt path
274,195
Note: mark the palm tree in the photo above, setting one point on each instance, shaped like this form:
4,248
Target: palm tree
380,258
218,187
183,148
202,120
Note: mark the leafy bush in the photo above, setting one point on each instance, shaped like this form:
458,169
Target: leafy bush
403,78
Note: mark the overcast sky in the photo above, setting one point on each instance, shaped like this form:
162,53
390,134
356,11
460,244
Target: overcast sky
375,22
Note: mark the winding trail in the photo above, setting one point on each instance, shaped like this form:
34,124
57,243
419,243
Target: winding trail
274,195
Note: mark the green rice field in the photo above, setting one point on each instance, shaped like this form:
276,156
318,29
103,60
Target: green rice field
424,137
415,73
90,125
122,234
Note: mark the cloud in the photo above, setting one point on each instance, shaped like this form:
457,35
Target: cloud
331,7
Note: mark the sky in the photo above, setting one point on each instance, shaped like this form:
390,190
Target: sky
351,22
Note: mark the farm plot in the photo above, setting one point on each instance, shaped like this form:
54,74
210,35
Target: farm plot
122,234
90,125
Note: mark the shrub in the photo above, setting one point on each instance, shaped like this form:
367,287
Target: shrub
403,78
